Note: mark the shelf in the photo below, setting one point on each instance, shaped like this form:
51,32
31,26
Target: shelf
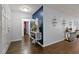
35,40
32,38
39,43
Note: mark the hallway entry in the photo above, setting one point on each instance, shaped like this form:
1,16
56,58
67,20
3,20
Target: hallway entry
26,30
26,27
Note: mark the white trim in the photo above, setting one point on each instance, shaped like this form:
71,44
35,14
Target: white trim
6,48
40,44
51,43
22,22
16,40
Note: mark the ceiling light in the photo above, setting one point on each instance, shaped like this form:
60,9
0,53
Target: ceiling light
25,9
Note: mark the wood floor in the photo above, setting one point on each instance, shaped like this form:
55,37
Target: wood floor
25,47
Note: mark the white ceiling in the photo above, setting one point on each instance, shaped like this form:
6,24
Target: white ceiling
69,9
33,7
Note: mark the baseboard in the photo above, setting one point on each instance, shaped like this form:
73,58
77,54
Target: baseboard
51,43
16,40
6,48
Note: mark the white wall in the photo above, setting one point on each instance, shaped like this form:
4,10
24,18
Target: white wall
52,34
55,34
0,28
17,25
6,14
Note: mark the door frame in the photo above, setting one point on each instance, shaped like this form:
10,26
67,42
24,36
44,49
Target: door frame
27,20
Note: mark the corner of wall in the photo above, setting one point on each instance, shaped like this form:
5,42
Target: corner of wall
51,43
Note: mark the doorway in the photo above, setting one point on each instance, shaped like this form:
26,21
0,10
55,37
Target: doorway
25,28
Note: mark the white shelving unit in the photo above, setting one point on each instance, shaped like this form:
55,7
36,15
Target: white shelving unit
36,38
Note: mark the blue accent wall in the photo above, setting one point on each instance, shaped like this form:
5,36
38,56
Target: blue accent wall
39,14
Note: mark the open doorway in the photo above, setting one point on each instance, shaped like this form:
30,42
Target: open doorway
26,28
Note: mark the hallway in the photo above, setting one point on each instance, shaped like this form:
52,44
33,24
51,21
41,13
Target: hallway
46,25
39,29
24,47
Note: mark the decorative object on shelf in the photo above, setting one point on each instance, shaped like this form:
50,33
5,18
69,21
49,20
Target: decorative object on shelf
64,22
75,22
54,21
34,27
70,23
